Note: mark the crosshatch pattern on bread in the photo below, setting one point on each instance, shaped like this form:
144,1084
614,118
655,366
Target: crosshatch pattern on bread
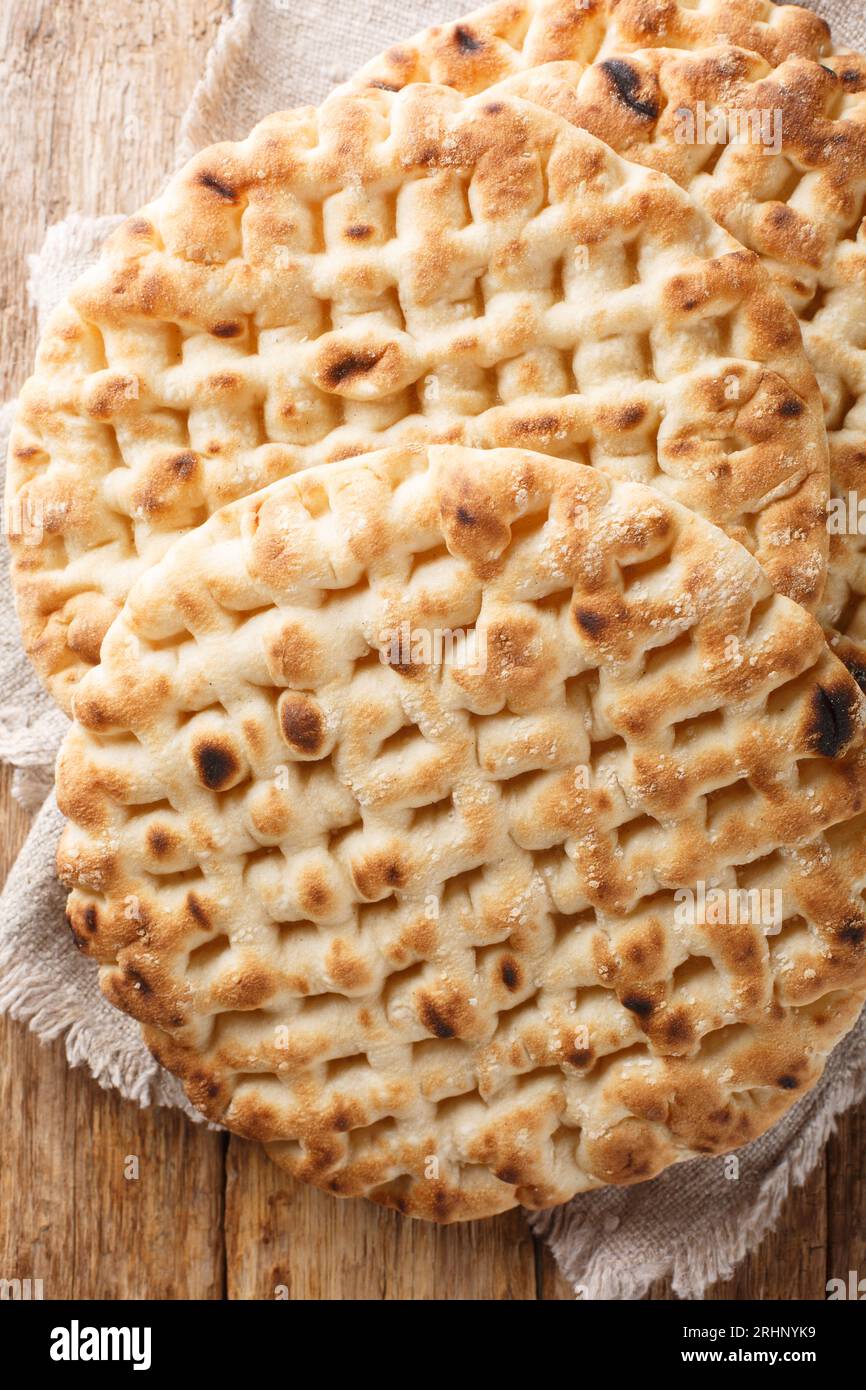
777,157
512,36
395,268
413,923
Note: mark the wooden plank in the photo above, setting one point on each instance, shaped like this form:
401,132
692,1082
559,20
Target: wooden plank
846,1197
93,99
286,1239
68,1213
789,1262
552,1286
151,1226
70,1216
14,823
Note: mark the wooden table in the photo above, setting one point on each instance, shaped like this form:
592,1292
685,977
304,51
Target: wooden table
95,90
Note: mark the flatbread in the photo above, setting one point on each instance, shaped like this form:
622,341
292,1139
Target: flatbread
778,157
512,36
392,803
792,191
390,268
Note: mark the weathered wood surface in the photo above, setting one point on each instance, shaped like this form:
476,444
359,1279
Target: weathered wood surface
94,93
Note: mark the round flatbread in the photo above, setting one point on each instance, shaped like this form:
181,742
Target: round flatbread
778,157
474,829
771,141
512,36
393,268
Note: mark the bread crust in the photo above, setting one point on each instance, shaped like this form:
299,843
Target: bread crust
499,40
414,923
391,268
795,198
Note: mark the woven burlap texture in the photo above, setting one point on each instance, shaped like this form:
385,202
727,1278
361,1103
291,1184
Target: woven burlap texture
695,1222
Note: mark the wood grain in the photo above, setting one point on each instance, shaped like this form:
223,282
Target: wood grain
94,96
289,1240
790,1261
846,1197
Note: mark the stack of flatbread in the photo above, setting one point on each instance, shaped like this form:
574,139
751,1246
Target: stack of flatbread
441,514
